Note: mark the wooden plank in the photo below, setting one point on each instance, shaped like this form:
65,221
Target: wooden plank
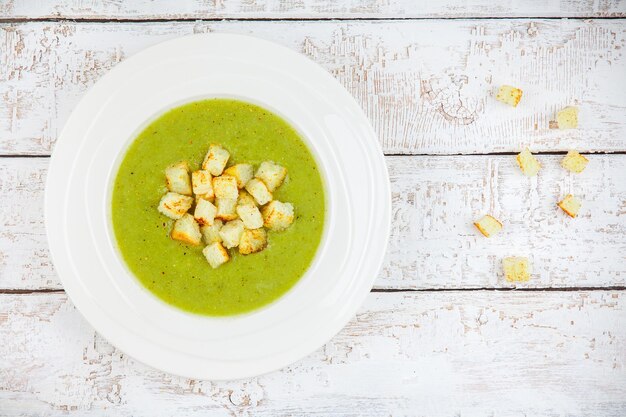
427,86
305,9
444,354
433,243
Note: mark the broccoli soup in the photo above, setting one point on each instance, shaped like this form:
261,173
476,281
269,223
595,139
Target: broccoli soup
218,207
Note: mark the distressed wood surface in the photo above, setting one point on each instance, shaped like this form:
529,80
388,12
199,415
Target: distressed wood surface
305,9
426,85
482,353
433,243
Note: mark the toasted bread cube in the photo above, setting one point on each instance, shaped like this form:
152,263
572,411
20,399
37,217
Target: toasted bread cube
205,212
271,174
528,163
202,184
175,205
516,269
245,199
226,208
570,205
574,162
177,178
187,230
250,215
215,160
252,240
567,118
206,197
242,172
509,95
231,233
225,187
259,191
488,225
277,215
211,234
215,254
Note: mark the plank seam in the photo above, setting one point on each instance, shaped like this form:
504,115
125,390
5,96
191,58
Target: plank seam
546,153
387,290
536,289
9,20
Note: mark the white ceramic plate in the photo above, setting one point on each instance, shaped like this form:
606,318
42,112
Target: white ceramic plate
85,162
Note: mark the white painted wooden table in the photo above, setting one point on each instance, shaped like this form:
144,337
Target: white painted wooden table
442,333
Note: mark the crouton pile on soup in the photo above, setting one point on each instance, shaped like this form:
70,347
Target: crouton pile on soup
225,208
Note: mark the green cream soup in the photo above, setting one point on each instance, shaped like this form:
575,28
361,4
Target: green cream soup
178,273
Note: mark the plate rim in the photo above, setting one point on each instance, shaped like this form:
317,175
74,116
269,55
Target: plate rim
384,221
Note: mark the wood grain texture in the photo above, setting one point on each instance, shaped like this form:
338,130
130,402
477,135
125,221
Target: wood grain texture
305,9
433,243
427,86
419,354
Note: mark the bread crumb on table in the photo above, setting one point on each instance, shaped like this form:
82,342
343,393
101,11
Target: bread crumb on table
516,269
574,162
509,95
488,225
570,205
527,162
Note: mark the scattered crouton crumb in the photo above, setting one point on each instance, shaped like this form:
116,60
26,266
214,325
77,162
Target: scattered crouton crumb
509,95
574,162
516,269
567,118
488,225
570,205
528,163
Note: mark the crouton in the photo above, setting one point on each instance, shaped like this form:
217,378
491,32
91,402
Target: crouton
177,178
242,172
574,162
277,215
528,163
187,230
570,205
245,199
488,225
202,184
215,160
231,233
205,212
567,118
215,254
509,95
211,234
259,191
516,269
225,187
252,240
271,174
250,215
175,205
226,208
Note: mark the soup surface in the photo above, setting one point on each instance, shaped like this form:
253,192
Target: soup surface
178,273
